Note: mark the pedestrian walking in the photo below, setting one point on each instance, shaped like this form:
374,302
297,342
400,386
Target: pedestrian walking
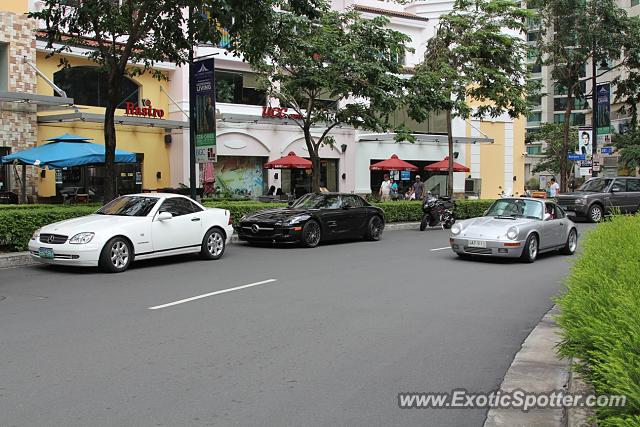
385,189
554,188
418,188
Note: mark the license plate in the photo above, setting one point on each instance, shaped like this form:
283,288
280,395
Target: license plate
477,244
45,253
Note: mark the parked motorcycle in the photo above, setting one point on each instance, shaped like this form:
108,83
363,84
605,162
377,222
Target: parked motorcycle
437,211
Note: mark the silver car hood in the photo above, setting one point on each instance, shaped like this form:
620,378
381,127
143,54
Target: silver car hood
489,227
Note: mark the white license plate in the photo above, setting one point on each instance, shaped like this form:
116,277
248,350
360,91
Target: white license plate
45,253
477,244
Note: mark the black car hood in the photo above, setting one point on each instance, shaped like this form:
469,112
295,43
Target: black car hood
273,215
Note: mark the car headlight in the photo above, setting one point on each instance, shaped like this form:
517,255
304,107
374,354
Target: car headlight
36,234
81,238
581,201
295,220
456,229
512,233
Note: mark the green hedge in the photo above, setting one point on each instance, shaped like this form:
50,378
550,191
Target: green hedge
18,222
17,226
600,316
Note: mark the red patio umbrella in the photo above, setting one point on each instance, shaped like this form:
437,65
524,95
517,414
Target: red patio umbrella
393,164
290,161
443,166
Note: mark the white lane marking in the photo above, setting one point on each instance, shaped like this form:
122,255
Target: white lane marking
210,294
440,249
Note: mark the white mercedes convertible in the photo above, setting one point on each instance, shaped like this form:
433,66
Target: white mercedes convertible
136,226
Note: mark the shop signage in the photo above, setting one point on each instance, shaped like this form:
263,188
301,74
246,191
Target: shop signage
278,113
603,108
203,87
147,110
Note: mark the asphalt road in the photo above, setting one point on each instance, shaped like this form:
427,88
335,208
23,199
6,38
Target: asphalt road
331,342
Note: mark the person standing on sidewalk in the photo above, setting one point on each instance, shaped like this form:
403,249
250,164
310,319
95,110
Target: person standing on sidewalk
385,189
418,188
554,189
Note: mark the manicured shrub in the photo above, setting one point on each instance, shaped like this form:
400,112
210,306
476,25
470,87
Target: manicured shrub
17,226
600,316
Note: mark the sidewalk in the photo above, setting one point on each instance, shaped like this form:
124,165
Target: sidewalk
537,369
20,259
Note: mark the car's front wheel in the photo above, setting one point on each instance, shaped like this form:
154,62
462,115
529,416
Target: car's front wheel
311,234
375,228
572,243
530,251
596,213
213,244
116,255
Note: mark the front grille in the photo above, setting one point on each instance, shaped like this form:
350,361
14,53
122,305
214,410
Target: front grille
53,239
478,251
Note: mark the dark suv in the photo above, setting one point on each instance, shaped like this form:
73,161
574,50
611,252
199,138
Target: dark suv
598,196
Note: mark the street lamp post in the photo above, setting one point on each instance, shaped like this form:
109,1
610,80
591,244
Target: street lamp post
192,115
594,111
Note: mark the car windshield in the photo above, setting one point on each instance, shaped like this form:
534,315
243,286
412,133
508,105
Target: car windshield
596,185
309,201
129,206
516,208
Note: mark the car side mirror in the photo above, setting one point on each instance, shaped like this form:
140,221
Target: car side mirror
163,216
547,216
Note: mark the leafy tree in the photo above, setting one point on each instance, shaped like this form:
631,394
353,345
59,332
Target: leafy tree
337,70
574,34
474,66
143,32
552,134
629,146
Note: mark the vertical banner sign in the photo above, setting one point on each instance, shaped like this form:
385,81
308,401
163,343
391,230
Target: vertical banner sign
204,89
585,151
604,108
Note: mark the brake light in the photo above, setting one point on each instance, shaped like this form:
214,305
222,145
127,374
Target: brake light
230,220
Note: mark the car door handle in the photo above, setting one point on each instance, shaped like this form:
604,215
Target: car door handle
195,219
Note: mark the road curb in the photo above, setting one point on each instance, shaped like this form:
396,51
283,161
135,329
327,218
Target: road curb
535,369
20,259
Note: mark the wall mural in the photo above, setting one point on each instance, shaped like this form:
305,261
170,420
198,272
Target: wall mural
241,175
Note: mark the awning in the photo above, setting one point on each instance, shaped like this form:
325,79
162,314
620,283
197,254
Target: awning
443,166
290,161
122,120
393,164
66,151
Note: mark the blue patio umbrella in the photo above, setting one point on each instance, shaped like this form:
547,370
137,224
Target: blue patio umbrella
66,151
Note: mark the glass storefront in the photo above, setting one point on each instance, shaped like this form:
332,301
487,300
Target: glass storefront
89,180
4,170
298,181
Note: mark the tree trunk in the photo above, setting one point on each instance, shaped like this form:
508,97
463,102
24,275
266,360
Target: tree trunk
564,163
113,92
450,166
110,154
315,160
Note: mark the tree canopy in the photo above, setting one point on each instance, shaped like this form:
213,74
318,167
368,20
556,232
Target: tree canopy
475,65
339,69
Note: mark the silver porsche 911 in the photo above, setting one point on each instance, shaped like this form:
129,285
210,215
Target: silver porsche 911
516,228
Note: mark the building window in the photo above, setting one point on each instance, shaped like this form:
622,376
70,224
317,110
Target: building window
635,3
535,101
575,119
88,86
534,118
533,36
560,104
237,87
4,66
534,149
534,68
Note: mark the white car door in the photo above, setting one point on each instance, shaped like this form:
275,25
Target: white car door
182,230
553,228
